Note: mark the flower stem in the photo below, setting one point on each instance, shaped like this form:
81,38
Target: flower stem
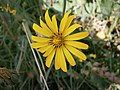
64,6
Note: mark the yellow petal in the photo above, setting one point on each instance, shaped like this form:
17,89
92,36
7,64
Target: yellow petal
38,45
48,51
45,27
62,61
48,21
76,52
57,59
76,44
50,58
54,21
43,49
70,18
77,36
39,39
70,29
40,30
68,56
64,21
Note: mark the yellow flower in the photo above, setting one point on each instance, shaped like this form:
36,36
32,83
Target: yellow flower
58,43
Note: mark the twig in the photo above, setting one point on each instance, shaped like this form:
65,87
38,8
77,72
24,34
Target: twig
40,71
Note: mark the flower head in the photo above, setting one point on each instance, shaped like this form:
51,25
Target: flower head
58,43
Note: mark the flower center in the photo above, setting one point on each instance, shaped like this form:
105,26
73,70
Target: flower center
57,40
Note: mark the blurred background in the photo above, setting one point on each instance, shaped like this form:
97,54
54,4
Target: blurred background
18,69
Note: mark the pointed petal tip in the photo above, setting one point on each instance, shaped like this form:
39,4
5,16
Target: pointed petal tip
34,24
69,11
87,33
46,11
77,25
73,64
87,46
84,58
64,70
47,65
57,68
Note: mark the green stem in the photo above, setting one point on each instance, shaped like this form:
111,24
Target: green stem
64,6
40,5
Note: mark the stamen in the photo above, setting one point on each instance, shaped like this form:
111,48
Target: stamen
56,40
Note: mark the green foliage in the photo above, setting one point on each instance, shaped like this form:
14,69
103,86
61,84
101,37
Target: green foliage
18,68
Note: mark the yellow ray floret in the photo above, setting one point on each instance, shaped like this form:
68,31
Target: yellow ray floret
70,29
44,49
54,21
50,58
48,51
57,59
69,20
45,27
77,44
41,30
68,56
62,60
39,39
76,52
64,21
48,21
38,45
77,36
